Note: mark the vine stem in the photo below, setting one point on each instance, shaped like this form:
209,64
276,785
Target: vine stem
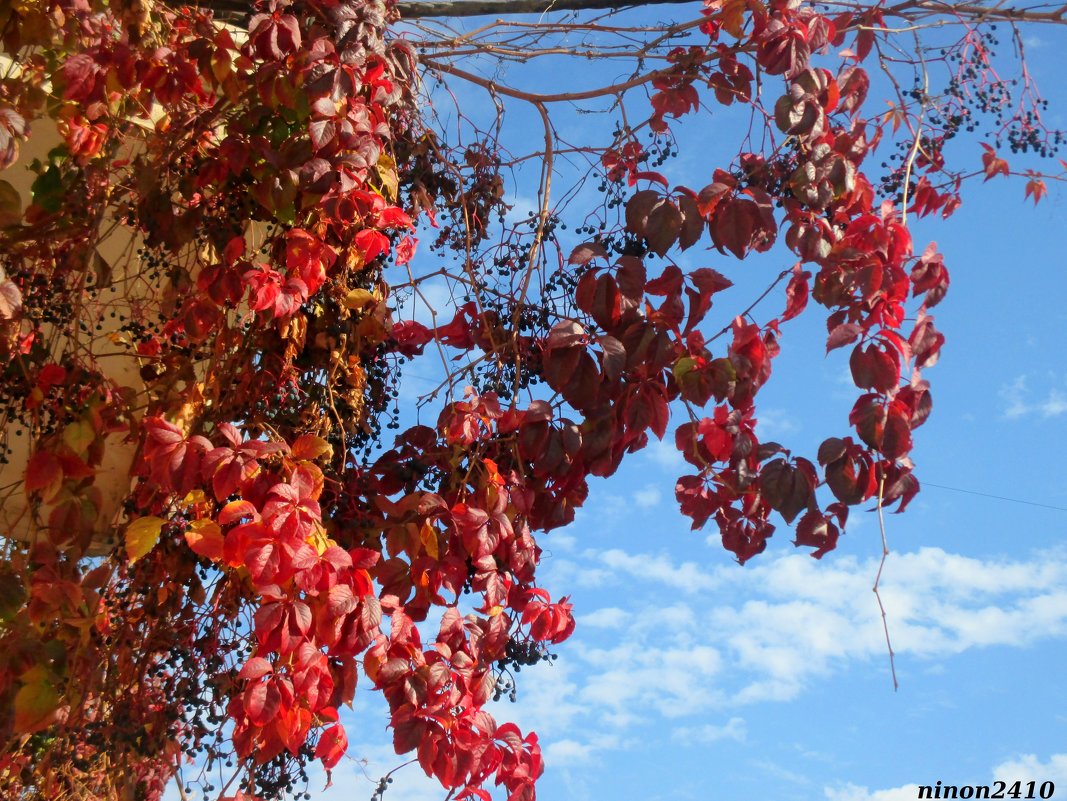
915,146
877,583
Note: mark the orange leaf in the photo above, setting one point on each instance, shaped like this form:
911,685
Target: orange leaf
310,447
428,536
1036,189
204,538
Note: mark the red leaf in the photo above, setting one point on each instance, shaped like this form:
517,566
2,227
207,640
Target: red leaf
606,307
262,702
371,244
796,293
638,208
707,282
786,488
585,253
842,335
740,225
896,436
322,132
410,337
925,341
255,668
663,226
991,165
817,531
44,475
274,35
868,415
332,745
405,250
341,601
875,368
80,77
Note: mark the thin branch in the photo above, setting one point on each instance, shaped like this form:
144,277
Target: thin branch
239,9
914,151
908,10
535,98
878,580
486,8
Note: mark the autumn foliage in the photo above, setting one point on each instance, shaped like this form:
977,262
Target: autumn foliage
271,547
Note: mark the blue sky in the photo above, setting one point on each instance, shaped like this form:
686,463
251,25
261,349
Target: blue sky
691,677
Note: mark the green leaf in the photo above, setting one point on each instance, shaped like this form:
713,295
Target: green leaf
12,595
47,190
78,436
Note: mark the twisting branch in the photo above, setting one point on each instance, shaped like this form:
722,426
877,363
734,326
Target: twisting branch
464,8
909,9
479,8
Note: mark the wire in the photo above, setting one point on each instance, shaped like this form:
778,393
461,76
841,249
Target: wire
996,497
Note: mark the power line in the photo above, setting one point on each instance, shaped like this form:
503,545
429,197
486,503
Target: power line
996,497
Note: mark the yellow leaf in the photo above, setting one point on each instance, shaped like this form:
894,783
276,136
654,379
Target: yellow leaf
496,610
387,176
733,17
35,702
358,298
319,540
142,535
195,498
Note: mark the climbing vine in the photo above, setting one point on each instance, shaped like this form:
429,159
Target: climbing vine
214,526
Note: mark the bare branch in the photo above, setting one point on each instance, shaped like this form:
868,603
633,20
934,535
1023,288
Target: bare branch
489,8
239,9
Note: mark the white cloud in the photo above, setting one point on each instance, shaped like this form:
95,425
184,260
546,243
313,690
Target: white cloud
665,454
687,577
814,618
733,729
610,617
765,766
852,792
795,620
1029,768
1023,768
775,423
648,496
1013,396
559,541
1017,402
357,777
568,752
1054,405
549,701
